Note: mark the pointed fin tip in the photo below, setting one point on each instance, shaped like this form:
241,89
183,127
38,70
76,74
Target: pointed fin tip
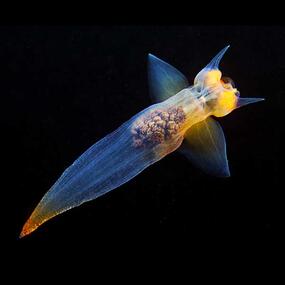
225,173
214,63
152,57
260,100
246,101
225,49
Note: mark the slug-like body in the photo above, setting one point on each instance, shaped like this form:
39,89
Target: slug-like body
181,118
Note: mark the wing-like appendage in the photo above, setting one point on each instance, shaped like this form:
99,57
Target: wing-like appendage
214,63
164,80
205,146
245,101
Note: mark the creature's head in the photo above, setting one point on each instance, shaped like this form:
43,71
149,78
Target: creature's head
219,92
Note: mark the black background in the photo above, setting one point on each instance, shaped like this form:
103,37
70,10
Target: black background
65,87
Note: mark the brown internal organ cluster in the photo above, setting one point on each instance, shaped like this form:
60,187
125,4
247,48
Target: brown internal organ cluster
157,127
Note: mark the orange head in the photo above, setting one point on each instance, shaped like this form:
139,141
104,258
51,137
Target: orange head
219,93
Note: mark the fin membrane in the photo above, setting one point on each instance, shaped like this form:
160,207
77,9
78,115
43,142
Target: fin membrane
164,80
205,147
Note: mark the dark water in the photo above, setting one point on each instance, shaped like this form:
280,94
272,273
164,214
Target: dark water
64,88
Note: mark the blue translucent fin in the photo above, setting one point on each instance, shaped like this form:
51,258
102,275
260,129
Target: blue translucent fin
214,63
164,80
245,101
205,146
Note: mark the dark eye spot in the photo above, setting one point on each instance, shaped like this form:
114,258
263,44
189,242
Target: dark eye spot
227,80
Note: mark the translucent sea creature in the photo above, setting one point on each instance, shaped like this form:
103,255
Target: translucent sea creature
182,117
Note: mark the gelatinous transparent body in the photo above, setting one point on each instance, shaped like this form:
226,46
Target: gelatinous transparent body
182,111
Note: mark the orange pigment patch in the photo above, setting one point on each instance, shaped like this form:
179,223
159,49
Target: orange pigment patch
31,225
28,228
212,77
227,100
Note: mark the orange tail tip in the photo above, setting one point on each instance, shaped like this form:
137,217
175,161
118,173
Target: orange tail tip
32,224
28,228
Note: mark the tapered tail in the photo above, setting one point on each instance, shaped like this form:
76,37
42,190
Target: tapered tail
111,162
105,166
